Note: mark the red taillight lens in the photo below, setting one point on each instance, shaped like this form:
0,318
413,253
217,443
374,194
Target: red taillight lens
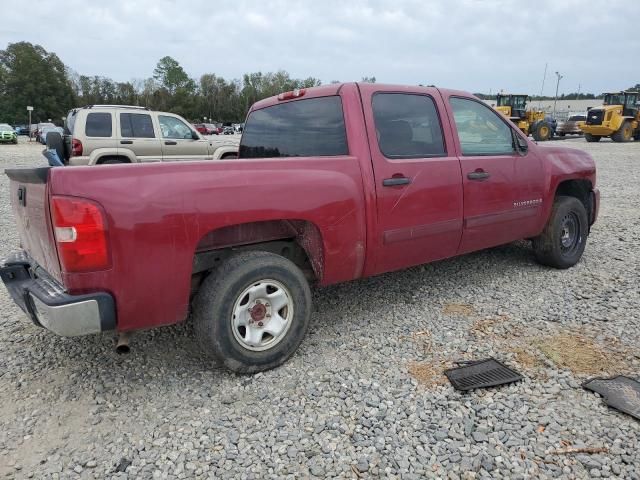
298,92
76,148
81,234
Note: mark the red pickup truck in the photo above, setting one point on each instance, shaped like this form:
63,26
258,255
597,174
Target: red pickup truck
334,183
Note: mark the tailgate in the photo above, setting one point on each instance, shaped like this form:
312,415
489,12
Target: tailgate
30,205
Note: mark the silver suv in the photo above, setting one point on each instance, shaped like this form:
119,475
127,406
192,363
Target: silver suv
99,134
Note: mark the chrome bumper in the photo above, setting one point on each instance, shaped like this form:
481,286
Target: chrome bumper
45,301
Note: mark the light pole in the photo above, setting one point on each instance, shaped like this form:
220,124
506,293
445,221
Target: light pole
556,99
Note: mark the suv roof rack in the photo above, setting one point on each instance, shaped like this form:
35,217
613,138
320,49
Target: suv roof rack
133,107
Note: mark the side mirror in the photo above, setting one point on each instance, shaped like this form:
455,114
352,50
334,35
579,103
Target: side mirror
194,135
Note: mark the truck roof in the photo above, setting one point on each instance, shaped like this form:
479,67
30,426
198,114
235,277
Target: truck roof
334,89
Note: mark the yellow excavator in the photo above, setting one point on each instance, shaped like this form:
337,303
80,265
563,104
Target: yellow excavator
618,118
531,122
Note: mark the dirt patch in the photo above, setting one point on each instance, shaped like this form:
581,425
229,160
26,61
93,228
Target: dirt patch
460,309
579,354
487,326
430,374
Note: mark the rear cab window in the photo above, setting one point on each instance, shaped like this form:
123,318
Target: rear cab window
98,125
311,127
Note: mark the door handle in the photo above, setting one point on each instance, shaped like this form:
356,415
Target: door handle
168,142
395,181
478,175
126,142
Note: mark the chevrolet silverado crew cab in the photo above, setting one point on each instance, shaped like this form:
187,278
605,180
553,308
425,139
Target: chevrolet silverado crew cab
110,134
333,183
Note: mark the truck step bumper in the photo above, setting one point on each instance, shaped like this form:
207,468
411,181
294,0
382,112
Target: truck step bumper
47,304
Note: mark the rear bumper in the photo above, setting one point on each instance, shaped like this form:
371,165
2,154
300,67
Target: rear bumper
47,304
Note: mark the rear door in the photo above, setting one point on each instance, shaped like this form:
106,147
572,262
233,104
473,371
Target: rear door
178,142
503,189
417,177
137,133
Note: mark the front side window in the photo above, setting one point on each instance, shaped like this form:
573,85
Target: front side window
136,125
480,129
173,127
98,125
302,128
407,126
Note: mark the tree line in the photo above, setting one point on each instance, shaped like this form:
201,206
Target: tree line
32,76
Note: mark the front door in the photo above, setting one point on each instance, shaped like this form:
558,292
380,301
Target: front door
179,141
417,178
503,189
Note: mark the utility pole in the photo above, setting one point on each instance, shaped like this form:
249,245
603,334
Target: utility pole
544,77
556,99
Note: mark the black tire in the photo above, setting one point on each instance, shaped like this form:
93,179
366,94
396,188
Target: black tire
55,142
112,161
636,137
562,242
562,134
541,131
592,138
213,310
228,156
624,133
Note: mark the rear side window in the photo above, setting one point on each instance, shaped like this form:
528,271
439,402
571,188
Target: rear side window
302,128
407,126
578,118
136,125
98,125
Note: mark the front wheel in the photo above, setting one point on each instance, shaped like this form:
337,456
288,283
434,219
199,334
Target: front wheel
624,133
563,239
253,311
542,131
592,138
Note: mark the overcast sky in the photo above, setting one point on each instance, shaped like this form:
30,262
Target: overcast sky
471,45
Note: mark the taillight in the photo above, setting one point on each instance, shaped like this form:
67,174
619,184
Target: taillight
76,148
298,92
81,234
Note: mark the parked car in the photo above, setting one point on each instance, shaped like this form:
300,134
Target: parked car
126,134
8,134
213,129
378,178
39,127
203,128
22,129
228,130
45,130
570,127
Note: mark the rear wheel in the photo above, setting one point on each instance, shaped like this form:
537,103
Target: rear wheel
563,239
541,131
592,138
112,161
624,133
562,134
253,311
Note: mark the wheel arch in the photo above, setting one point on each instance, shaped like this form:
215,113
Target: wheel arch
298,240
582,189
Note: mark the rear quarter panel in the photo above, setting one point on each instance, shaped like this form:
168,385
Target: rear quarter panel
157,213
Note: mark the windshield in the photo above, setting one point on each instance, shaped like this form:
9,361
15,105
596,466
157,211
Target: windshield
578,118
517,102
614,99
5,126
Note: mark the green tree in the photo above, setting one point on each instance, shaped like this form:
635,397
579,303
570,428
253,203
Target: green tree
170,75
29,75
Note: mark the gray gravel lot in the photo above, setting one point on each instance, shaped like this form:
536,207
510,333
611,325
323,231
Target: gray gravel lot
364,397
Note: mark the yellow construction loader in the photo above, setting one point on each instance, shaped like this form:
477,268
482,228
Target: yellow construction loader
531,122
618,118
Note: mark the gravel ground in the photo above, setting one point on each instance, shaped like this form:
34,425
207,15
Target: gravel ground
364,397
